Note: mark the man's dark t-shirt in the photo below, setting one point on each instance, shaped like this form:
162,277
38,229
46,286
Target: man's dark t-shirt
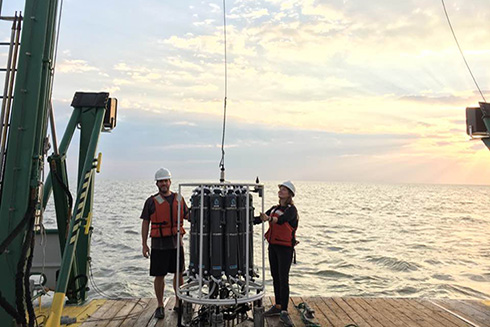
161,243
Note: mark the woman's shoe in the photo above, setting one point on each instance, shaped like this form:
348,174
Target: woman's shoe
286,320
273,311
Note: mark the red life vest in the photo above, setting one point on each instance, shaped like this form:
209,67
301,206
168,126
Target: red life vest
164,219
283,234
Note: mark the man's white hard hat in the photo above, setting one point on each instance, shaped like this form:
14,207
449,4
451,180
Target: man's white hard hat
289,185
162,173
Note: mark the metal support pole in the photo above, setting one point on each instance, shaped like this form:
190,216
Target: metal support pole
201,231
263,233
53,128
179,196
247,242
63,148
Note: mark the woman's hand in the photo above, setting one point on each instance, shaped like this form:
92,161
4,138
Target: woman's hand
264,217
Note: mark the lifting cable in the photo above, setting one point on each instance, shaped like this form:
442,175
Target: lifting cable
50,104
222,162
461,51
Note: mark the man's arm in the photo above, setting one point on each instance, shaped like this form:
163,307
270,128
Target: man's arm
145,227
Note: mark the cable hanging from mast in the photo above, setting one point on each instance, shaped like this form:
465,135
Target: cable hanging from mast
461,51
222,162
50,104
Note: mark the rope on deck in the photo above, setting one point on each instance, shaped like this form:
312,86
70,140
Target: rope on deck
306,314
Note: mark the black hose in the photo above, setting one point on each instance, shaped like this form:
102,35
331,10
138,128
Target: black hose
21,271
18,314
27,291
10,309
73,291
8,240
65,189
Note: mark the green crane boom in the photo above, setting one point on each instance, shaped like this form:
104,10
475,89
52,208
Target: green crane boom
21,193
25,156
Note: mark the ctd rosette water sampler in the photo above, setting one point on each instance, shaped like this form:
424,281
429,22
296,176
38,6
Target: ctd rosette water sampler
223,280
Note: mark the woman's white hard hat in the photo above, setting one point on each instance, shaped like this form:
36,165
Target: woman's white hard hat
289,185
162,173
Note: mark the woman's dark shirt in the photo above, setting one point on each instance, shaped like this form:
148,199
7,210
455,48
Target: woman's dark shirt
290,215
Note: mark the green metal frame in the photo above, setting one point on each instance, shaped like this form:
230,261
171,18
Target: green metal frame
74,228
77,239
24,165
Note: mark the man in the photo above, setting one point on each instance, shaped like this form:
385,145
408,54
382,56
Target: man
161,210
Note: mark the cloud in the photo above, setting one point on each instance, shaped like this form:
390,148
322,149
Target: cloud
206,22
362,90
250,13
137,74
75,66
185,146
124,67
450,99
184,123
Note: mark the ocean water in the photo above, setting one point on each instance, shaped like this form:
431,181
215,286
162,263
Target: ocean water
383,240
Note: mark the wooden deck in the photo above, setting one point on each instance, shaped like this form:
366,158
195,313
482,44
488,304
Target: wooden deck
338,312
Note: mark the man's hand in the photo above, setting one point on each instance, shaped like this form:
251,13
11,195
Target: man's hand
146,251
145,227
264,217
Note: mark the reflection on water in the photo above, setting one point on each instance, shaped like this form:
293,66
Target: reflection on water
356,239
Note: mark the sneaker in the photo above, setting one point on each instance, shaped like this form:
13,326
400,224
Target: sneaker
160,313
273,311
286,320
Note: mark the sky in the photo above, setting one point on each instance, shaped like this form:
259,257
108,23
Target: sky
340,90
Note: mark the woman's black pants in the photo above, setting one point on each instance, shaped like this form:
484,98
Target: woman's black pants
280,259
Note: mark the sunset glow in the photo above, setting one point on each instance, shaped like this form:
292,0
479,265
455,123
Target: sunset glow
351,90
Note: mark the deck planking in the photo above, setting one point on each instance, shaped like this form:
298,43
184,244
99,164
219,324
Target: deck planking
478,312
329,312
356,313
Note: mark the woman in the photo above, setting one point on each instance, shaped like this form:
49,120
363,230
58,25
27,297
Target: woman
283,222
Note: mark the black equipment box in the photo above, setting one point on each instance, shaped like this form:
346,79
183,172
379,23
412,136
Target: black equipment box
110,114
474,122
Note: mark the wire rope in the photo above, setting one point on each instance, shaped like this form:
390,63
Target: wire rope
57,36
222,162
461,51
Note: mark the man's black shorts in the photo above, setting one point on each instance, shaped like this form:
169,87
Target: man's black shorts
163,262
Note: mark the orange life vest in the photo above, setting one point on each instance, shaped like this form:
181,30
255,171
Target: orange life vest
283,234
164,219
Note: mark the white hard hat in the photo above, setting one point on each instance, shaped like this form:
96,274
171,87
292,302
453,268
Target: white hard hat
289,185
162,173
